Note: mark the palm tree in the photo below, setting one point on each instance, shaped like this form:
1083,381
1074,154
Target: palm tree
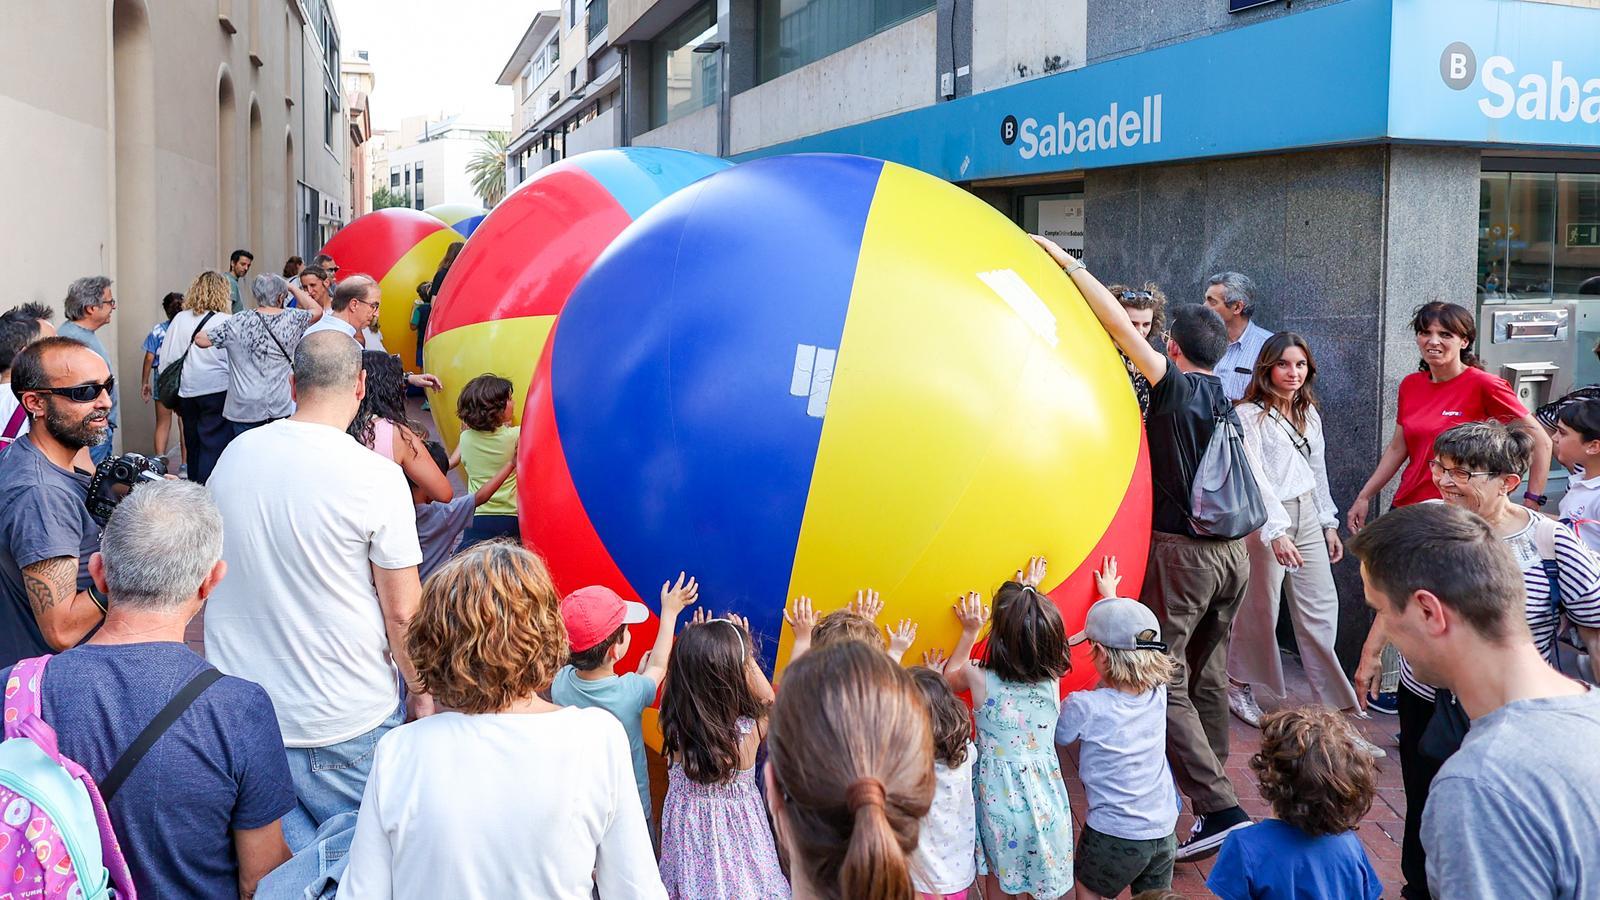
487,168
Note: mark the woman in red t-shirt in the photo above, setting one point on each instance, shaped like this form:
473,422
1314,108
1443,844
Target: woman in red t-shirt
1450,387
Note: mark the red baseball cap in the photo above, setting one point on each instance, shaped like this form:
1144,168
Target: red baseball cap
592,613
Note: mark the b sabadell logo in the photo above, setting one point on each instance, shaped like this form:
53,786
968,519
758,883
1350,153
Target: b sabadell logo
1555,95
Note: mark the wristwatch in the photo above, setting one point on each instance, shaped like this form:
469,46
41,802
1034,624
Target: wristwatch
1537,498
1073,266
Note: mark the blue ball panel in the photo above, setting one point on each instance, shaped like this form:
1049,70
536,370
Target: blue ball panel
648,366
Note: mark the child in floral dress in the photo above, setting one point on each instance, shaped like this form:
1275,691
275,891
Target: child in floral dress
715,840
1024,822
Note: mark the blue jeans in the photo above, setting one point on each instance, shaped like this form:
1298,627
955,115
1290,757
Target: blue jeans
314,872
329,781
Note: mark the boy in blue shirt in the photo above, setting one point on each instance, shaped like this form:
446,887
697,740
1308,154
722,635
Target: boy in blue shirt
1320,784
441,523
597,623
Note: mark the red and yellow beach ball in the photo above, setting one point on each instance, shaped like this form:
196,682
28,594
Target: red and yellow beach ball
399,248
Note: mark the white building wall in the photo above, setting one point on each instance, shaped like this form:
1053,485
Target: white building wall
118,172
444,168
885,74
1016,40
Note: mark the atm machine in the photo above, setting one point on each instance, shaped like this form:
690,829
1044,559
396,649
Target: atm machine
1534,346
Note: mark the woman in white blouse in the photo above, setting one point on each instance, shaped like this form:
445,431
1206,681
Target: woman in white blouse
1300,541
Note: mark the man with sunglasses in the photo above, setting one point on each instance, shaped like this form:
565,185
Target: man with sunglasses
48,602
89,308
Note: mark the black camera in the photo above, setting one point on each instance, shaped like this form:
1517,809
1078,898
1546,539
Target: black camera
118,475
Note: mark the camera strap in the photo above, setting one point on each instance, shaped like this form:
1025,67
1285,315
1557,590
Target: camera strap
13,427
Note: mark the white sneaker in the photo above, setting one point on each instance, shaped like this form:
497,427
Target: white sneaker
1243,705
1369,748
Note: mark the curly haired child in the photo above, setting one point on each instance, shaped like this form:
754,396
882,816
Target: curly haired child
1320,783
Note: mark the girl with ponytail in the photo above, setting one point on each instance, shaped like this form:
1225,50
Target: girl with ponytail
849,774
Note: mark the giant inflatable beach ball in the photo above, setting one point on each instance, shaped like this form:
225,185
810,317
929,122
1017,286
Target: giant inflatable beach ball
808,375
463,217
511,279
400,248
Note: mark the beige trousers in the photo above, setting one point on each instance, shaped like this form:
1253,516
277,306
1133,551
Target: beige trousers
1253,656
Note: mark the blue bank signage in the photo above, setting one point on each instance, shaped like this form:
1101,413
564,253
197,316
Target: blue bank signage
1489,72
1495,72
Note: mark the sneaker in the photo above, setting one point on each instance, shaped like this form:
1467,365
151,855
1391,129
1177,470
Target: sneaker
1242,703
1387,703
1369,748
1210,831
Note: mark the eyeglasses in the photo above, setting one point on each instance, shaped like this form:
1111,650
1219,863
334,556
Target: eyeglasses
369,303
1456,474
81,393
1135,295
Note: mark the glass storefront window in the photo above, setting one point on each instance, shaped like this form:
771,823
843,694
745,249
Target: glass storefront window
681,80
794,33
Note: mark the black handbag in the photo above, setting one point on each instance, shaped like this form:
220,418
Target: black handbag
170,380
1446,730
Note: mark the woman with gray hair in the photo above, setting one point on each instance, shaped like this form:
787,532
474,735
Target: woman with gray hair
260,346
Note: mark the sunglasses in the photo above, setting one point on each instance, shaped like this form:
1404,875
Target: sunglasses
81,393
1135,295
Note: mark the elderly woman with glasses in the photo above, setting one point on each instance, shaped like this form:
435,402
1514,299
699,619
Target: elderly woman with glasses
1477,466
260,345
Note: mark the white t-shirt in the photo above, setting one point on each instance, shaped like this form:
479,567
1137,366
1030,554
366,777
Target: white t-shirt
1123,761
1582,501
369,339
331,322
946,859
205,370
503,805
297,612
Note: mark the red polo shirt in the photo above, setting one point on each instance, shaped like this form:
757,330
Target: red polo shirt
1429,409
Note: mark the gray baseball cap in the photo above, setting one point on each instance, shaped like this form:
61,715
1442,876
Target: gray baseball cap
1121,624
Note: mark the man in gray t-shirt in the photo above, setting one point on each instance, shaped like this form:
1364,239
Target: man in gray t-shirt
1515,811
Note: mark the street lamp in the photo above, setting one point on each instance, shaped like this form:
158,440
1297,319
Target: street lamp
721,49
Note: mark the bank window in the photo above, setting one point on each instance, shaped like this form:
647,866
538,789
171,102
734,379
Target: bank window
1538,236
794,33
681,80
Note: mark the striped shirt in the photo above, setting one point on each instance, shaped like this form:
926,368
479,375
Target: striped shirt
1238,362
1578,575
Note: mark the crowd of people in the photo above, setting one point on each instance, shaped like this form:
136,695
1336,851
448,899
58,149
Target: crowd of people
396,700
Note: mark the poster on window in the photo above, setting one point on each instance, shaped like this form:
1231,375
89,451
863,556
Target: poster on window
1061,220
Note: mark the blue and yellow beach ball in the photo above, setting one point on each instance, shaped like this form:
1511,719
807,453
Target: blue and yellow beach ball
463,218
812,374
